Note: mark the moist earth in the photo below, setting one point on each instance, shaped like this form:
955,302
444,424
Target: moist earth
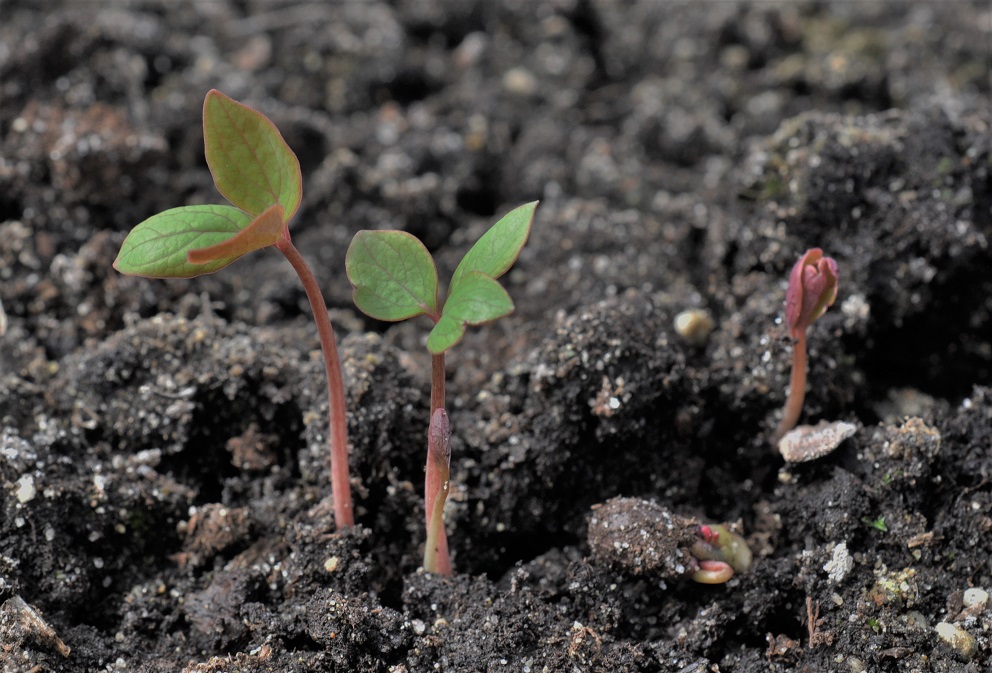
163,444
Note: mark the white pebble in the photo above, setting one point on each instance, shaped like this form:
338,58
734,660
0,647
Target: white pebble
520,81
25,489
976,597
694,326
958,639
807,442
840,563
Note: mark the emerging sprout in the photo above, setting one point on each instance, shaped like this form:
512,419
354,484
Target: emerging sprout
254,168
394,278
812,288
643,538
720,553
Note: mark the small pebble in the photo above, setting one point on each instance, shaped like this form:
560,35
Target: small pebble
694,326
959,640
840,563
808,442
14,612
976,597
25,489
520,82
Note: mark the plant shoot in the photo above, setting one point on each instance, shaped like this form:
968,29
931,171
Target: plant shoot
812,289
395,278
720,553
255,169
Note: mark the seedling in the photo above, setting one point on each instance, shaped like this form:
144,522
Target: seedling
877,524
720,553
812,288
394,278
254,168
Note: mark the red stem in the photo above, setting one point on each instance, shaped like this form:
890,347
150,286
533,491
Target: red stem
336,409
436,556
797,389
437,383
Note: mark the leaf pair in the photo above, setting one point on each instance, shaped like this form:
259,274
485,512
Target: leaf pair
395,278
254,169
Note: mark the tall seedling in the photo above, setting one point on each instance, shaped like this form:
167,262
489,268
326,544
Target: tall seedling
259,174
394,278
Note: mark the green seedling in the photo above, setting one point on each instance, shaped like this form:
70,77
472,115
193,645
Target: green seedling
254,168
720,553
812,289
394,278
877,524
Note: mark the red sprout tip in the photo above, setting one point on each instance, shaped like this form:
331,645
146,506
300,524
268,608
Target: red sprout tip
812,288
708,534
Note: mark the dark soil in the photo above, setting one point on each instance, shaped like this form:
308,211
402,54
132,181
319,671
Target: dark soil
163,463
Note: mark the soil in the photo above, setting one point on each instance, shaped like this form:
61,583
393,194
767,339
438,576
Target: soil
163,466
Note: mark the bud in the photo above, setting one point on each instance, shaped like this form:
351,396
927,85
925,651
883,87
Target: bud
439,438
812,288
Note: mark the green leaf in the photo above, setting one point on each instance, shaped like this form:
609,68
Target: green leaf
498,249
476,299
260,233
158,247
393,275
252,165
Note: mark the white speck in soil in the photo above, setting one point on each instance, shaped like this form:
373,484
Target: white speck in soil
25,489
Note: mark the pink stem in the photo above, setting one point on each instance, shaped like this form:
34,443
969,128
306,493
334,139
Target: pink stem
337,411
797,389
436,556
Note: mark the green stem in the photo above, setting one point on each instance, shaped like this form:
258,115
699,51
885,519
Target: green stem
436,556
797,389
337,411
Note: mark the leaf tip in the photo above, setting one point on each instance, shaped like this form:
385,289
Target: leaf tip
215,94
212,95
530,208
117,265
